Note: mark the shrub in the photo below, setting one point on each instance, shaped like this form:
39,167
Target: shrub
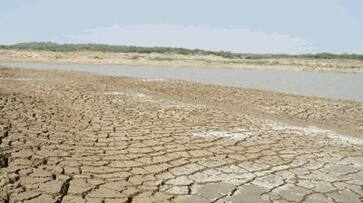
51,46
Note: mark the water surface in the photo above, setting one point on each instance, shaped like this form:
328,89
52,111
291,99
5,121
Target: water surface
347,86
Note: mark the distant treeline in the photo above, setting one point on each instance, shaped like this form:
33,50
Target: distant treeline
50,46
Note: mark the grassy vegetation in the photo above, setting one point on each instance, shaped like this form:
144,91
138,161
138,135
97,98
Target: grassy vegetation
50,46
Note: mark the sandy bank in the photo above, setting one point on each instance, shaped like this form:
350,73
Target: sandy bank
178,60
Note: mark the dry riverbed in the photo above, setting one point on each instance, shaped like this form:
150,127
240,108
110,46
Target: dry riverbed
179,60
79,137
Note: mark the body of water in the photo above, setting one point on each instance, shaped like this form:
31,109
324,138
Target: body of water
347,86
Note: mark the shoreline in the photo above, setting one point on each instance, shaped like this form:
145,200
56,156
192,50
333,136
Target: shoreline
270,105
230,77
184,61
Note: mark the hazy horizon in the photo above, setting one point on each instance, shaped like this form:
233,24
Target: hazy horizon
301,54
260,26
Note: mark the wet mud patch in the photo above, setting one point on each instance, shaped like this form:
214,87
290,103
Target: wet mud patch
4,160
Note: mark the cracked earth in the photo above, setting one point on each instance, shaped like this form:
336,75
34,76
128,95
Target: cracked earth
77,137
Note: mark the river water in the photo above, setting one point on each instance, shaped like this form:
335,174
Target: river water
346,86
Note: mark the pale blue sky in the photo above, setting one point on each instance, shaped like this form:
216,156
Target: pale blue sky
263,26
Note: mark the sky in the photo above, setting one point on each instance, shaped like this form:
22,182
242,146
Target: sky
245,26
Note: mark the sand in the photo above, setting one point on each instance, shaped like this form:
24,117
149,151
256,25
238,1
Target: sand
178,60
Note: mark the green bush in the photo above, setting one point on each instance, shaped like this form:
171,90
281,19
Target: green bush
51,46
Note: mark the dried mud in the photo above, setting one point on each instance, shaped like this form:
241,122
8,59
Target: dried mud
78,137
